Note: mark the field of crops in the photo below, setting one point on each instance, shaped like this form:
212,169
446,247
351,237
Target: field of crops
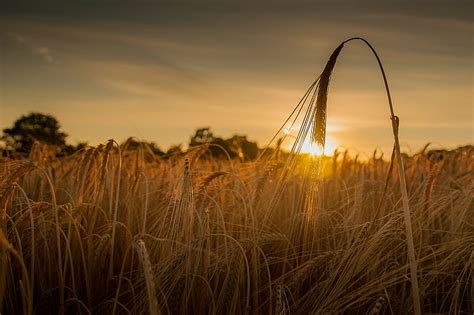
117,230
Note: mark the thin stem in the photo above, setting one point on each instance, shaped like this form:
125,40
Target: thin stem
403,186
115,214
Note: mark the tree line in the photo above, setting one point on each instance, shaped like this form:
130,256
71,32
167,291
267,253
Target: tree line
37,127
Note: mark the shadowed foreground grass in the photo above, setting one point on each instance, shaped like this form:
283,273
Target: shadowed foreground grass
122,231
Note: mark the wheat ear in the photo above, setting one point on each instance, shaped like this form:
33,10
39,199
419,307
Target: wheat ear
150,282
319,132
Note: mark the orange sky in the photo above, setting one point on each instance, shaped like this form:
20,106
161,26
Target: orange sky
159,71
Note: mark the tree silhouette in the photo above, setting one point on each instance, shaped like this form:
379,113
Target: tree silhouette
133,144
236,146
174,149
34,127
202,136
244,148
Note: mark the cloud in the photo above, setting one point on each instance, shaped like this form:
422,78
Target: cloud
17,38
41,51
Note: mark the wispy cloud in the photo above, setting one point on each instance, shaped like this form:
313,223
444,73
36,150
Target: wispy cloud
41,51
17,38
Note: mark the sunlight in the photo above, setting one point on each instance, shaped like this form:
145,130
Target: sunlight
314,149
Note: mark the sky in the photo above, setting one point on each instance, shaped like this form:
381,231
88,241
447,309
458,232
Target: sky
158,70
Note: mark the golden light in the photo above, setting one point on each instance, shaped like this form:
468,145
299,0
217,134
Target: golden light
314,149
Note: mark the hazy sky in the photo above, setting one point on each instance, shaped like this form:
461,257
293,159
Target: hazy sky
158,70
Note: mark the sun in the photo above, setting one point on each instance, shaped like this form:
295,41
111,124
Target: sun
314,149
311,148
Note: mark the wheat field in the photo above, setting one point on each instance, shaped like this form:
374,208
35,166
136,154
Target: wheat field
116,229
112,230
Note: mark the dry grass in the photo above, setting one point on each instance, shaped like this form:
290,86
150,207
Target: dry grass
203,236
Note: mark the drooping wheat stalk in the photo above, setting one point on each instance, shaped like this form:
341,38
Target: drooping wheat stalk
319,133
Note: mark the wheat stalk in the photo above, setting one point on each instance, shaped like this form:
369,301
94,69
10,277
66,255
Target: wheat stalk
319,132
150,282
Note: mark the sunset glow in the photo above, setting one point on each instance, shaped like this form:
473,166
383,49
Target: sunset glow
171,68
314,149
308,146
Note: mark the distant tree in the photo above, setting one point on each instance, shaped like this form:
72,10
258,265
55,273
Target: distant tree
132,144
34,127
155,148
70,149
174,149
202,136
236,146
244,148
